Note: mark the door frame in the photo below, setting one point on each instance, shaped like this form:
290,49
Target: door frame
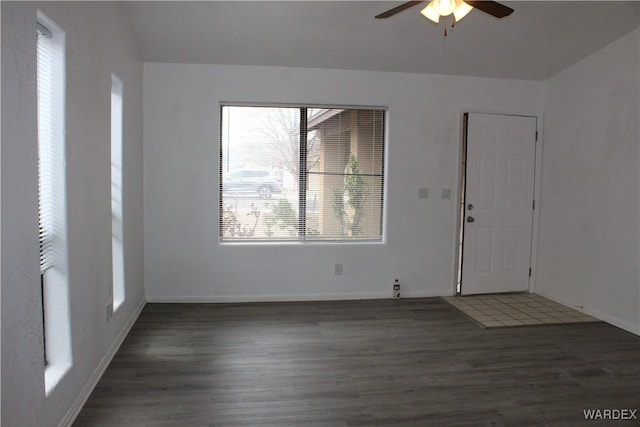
461,170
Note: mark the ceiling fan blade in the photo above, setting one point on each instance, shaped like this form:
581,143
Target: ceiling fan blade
493,8
398,9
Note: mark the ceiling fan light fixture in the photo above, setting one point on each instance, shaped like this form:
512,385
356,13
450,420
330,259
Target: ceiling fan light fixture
430,12
437,8
462,9
445,7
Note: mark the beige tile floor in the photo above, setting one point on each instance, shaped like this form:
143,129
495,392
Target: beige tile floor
513,310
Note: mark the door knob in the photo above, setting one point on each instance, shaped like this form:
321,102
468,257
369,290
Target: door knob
470,219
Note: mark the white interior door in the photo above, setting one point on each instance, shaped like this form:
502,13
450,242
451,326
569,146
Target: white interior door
500,164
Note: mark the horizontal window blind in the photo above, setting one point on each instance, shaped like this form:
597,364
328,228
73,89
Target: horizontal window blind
301,173
346,177
50,149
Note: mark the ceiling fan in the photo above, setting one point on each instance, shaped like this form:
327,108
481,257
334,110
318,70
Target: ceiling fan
459,8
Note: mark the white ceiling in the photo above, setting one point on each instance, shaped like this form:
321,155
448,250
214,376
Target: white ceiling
535,42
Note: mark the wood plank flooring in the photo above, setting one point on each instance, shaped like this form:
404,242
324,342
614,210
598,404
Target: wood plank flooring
412,362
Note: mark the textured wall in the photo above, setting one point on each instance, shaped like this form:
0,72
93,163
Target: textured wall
97,44
589,238
181,127
22,371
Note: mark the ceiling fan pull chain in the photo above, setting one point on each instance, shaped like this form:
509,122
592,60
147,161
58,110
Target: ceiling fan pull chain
445,31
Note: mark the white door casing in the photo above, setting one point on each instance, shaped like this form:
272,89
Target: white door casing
498,220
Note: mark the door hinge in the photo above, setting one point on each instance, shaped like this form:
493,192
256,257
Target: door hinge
529,271
534,204
536,136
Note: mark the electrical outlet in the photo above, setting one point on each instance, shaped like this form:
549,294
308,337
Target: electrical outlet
338,269
109,311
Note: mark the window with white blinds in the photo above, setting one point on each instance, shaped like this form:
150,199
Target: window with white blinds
50,83
50,87
301,173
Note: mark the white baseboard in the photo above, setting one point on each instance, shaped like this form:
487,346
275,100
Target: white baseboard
288,297
622,324
77,405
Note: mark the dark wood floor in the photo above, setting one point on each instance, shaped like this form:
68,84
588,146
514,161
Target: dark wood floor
412,362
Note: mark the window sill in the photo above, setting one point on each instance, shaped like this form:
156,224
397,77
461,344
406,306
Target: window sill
117,303
53,374
301,243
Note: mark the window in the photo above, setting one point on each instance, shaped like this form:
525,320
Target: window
52,224
302,174
117,252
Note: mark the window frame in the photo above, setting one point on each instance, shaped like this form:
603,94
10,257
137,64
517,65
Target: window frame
52,147
118,270
302,179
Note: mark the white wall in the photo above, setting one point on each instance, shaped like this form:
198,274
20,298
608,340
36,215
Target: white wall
185,262
97,45
589,241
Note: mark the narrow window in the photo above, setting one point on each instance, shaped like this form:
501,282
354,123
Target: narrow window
117,253
52,200
301,173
